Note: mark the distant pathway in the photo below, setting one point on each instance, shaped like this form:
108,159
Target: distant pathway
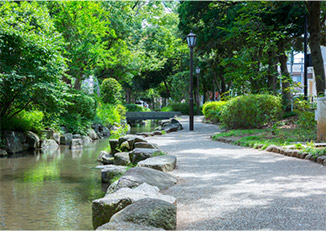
222,186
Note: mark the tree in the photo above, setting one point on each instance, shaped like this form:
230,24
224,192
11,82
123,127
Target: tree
83,26
315,23
31,61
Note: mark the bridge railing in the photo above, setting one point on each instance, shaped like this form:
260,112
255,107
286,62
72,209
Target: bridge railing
152,115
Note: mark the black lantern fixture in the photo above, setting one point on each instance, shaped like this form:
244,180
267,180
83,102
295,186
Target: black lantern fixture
197,100
191,40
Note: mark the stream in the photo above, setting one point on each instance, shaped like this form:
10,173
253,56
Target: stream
52,190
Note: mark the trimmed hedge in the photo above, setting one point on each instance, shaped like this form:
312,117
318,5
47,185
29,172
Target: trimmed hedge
111,91
135,107
212,110
251,111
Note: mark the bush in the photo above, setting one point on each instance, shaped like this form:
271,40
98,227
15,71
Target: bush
135,107
212,110
183,108
111,91
167,108
79,112
251,111
108,114
24,121
306,114
81,104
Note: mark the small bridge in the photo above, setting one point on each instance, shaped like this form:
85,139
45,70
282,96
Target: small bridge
152,115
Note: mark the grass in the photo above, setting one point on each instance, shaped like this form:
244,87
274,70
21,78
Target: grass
302,139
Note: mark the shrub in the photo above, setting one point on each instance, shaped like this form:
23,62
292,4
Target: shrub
108,114
135,107
81,104
306,114
24,121
212,110
251,111
79,112
183,108
111,91
167,108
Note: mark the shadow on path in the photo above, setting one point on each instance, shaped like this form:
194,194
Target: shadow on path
222,186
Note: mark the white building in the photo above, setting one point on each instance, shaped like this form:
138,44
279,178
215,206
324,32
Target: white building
297,72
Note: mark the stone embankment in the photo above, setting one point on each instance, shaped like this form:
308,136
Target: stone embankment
15,142
136,173
289,150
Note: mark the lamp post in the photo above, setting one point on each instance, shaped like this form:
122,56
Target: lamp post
197,71
191,40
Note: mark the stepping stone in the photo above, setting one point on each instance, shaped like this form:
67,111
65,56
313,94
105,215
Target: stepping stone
139,175
165,163
139,154
104,208
148,212
110,172
121,158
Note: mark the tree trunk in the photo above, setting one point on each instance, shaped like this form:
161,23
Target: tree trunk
272,72
77,84
314,43
286,79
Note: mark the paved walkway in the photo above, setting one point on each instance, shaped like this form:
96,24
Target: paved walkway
222,186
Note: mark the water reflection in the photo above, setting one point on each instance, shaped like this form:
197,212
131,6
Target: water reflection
50,190
144,126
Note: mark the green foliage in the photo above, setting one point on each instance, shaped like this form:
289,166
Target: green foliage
251,111
75,123
109,114
135,107
111,91
306,114
81,104
79,112
167,108
183,108
212,110
30,59
24,121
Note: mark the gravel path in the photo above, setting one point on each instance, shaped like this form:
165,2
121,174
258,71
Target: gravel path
222,186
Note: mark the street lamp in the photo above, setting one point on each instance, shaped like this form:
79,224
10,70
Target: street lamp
191,40
197,71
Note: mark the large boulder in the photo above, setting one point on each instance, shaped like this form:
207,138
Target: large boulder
125,147
145,134
3,153
126,226
132,139
32,140
14,141
86,139
121,158
49,144
105,131
76,136
107,159
148,212
145,145
105,208
172,123
156,133
139,175
114,144
76,144
92,134
165,163
66,138
111,173
139,154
